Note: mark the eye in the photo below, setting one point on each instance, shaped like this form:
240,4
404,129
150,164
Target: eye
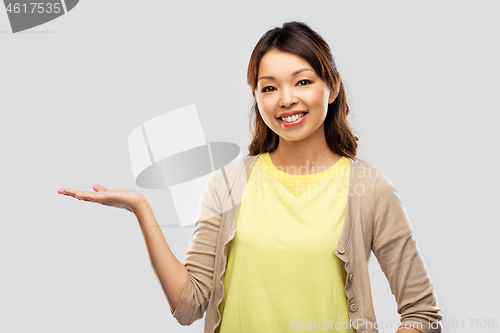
303,82
267,89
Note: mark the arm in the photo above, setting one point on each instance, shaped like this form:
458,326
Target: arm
396,250
171,273
187,286
200,256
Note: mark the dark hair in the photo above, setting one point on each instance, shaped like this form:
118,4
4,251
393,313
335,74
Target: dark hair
297,38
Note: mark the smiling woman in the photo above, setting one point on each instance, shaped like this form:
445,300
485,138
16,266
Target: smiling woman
293,251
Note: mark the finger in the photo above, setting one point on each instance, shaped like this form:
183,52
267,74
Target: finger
100,196
99,188
67,191
84,195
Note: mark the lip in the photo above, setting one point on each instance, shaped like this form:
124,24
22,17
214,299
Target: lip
293,123
291,113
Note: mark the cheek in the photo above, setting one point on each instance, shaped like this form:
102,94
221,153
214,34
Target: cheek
319,97
266,111
264,105
262,109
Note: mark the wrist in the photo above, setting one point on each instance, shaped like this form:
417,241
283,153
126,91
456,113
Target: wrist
141,207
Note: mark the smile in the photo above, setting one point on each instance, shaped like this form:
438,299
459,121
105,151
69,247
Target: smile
293,120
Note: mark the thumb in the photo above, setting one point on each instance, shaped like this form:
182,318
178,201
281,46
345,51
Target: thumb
99,188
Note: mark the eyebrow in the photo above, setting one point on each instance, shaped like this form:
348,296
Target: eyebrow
293,74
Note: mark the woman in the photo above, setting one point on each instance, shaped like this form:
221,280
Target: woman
308,214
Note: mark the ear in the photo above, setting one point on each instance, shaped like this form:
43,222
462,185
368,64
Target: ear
333,94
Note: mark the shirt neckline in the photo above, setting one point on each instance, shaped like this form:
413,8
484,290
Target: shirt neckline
334,171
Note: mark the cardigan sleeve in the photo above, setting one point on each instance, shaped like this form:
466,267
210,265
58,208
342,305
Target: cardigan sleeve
396,249
200,256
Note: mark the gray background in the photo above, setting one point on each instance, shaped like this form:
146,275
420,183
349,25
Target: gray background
423,86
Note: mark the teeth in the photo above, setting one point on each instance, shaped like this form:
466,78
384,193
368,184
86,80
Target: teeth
293,118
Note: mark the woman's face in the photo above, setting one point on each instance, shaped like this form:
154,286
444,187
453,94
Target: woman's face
288,86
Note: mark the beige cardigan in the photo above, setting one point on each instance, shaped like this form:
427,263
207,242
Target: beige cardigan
375,220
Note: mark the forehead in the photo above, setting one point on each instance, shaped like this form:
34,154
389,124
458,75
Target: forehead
275,62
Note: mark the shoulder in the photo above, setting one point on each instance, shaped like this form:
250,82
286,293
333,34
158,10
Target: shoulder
370,177
364,172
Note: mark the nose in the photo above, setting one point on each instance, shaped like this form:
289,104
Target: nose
287,98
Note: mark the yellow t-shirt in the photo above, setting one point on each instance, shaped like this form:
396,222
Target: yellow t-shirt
281,273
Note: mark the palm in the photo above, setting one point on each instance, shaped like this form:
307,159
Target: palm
127,199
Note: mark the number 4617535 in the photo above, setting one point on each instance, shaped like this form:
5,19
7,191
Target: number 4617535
34,7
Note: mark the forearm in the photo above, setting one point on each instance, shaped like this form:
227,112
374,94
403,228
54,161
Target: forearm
171,273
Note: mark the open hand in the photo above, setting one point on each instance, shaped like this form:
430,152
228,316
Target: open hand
127,199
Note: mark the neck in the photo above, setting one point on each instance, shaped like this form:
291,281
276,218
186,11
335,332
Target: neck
310,155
